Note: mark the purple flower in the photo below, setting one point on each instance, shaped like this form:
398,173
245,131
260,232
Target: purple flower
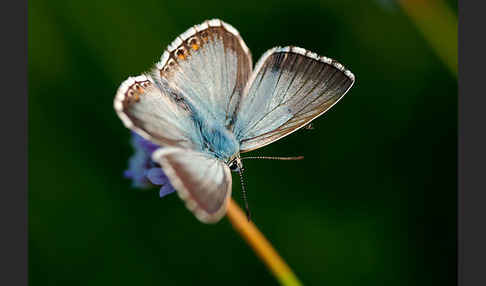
144,172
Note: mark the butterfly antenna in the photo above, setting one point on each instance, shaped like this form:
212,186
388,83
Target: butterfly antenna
275,158
243,192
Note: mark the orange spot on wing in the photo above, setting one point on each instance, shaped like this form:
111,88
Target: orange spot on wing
195,47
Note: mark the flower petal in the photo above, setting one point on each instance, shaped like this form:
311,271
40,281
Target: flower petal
140,143
166,189
157,176
142,170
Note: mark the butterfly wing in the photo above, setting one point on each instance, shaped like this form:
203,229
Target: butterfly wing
289,88
209,65
202,181
153,111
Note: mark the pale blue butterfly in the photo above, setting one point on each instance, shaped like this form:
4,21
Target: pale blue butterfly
203,103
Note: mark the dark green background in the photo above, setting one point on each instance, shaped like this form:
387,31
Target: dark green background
373,203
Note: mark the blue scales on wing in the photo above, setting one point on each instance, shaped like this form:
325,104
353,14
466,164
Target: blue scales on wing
159,113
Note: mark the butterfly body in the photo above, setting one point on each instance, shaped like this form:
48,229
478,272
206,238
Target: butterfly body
218,141
204,103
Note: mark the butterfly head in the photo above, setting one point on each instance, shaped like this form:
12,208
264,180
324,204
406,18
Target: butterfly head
235,164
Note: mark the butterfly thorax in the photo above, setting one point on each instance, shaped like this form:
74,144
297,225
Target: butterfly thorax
219,142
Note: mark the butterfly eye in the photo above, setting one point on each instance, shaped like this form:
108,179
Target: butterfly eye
234,166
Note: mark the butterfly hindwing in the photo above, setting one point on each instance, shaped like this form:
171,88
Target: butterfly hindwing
288,88
202,181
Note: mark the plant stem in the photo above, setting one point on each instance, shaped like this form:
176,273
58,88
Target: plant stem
261,246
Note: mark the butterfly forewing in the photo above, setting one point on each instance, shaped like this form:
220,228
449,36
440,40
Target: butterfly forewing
149,110
202,181
289,88
210,65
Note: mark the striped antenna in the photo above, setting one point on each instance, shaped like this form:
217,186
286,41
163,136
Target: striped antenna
274,158
243,193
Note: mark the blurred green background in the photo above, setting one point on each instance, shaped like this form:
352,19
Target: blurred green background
373,203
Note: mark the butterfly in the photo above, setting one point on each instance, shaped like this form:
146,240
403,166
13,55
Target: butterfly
205,105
